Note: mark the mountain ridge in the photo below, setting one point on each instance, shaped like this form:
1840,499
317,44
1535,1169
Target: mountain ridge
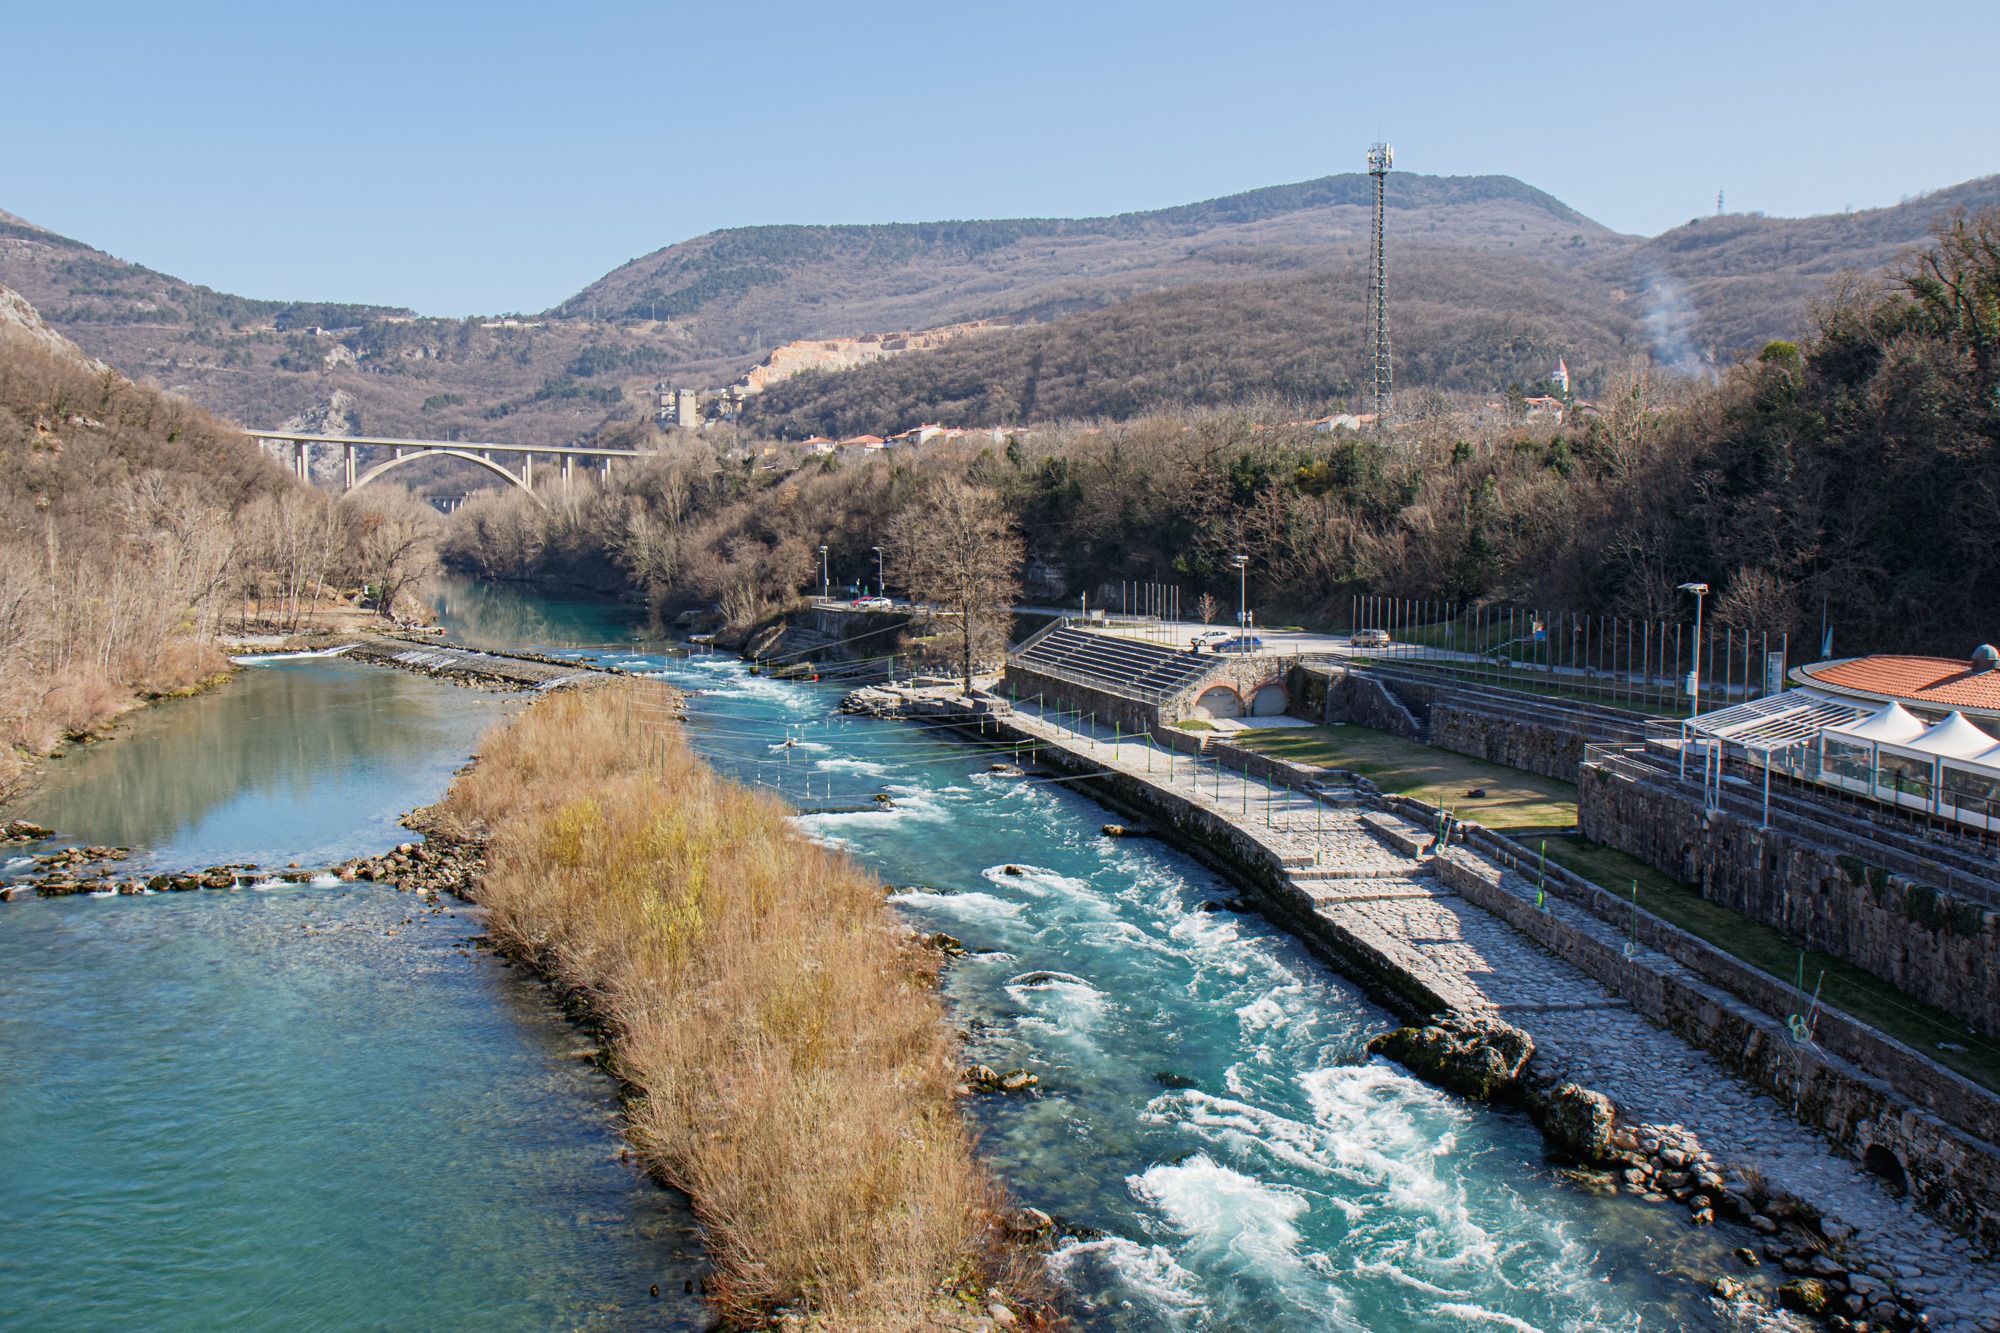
1486,272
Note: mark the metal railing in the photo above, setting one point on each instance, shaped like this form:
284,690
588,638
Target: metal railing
1959,863
1640,663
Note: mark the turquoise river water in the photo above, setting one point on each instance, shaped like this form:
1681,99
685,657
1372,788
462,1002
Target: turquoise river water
314,1107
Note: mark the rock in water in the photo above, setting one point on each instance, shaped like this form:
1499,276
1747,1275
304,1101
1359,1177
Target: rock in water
1578,1121
1477,1058
1031,1223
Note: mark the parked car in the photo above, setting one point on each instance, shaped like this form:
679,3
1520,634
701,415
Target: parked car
872,603
1368,638
1212,636
1243,645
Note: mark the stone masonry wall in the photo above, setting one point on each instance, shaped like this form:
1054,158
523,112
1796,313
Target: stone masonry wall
1344,696
1025,686
1553,752
1552,749
1954,1174
1918,937
1551,745
1244,675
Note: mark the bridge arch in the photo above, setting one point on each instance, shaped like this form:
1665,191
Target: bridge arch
466,454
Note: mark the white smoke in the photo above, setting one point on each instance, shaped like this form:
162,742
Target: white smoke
1670,323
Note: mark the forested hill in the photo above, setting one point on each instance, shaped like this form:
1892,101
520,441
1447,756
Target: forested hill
758,286
1287,348
1230,300
1730,284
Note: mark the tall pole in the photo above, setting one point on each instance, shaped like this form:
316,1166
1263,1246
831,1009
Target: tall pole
825,579
881,579
1380,158
1242,563
1700,591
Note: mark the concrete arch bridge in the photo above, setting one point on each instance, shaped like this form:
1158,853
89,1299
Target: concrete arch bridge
361,463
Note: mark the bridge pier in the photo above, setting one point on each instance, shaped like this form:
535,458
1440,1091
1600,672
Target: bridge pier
567,468
350,467
528,472
303,461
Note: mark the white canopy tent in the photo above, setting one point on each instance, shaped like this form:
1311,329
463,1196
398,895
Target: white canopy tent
1849,752
1911,772
1892,723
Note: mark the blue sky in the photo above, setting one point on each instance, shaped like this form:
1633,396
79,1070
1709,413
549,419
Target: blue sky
484,158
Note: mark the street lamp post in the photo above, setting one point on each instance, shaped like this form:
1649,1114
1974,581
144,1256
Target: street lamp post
1242,563
881,579
825,578
1700,591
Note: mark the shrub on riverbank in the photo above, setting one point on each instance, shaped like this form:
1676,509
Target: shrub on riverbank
793,1070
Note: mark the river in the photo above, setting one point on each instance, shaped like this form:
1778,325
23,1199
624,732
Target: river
312,1107
305,1107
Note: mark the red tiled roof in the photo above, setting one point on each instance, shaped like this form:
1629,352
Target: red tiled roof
1941,682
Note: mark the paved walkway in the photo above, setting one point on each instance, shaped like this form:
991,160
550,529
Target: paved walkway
1654,1076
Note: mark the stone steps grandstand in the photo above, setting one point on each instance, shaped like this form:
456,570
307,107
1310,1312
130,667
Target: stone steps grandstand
1129,667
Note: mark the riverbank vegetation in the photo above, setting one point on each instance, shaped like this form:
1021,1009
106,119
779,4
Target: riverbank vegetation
135,528
1844,477
788,1051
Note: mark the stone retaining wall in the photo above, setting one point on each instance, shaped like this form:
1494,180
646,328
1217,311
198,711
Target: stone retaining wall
1025,684
1454,718
1918,937
1954,1174
1243,675
1952,1168
1552,751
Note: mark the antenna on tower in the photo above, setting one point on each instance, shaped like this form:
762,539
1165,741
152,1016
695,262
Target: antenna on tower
1718,203
1380,158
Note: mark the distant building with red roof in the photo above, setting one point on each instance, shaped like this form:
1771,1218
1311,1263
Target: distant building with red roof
1933,684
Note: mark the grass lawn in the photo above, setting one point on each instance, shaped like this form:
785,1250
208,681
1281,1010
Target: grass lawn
1848,988
1513,799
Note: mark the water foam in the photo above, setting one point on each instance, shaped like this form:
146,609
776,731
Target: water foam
1233,1220
1114,1270
1065,1004
866,768
1477,1314
978,906
1036,881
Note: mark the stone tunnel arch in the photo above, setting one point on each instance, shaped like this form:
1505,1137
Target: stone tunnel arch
465,454
1270,700
1218,701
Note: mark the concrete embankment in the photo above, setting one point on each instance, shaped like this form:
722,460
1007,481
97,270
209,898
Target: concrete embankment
1718,1108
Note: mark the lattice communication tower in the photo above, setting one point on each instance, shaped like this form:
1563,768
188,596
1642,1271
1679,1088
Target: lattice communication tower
1380,158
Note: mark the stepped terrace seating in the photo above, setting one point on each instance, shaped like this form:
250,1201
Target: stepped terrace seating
1128,667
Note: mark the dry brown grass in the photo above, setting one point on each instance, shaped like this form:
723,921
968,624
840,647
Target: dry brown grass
794,1071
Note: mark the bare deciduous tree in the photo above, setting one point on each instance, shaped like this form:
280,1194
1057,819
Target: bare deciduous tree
955,547
395,542
1205,606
